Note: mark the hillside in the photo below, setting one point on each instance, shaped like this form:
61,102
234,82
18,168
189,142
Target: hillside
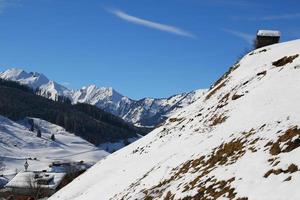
239,141
148,112
18,143
86,121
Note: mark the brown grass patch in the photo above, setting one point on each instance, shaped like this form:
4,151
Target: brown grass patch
286,140
218,120
225,154
214,190
285,60
288,179
236,96
169,196
175,119
224,101
273,171
291,169
148,198
263,73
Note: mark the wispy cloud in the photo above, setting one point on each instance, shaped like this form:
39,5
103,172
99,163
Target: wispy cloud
2,5
150,24
286,16
66,84
7,3
244,36
236,3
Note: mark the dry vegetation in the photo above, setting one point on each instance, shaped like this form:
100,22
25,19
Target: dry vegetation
215,190
175,119
218,120
263,73
224,101
291,169
236,96
287,142
285,60
207,187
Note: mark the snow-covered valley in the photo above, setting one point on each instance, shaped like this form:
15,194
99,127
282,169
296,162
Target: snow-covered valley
18,143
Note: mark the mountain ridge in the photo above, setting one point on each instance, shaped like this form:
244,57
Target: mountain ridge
148,112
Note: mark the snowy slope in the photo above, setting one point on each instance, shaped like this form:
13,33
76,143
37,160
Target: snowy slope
145,112
239,141
18,143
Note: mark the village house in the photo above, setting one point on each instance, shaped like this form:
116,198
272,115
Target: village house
36,183
266,37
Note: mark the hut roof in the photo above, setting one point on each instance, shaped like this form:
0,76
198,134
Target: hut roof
271,33
29,179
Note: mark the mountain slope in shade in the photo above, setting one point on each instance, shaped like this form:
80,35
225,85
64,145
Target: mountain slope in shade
145,112
18,143
239,141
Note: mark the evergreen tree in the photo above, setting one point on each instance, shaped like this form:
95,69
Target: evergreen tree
39,133
53,137
31,124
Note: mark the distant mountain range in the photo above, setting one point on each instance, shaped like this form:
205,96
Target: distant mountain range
146,112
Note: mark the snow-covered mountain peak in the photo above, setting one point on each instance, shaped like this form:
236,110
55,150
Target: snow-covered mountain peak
92,94
53,90
144,112
14,74
32,79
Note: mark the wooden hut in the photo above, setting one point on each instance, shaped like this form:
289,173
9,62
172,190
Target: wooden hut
266,37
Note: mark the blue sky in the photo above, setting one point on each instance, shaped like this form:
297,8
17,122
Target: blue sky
142,48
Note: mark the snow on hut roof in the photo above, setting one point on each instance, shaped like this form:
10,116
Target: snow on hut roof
272,33
33,179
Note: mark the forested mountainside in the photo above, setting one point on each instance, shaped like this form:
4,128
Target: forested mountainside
87,121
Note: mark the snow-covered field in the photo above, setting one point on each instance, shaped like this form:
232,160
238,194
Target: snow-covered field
239,141
18,143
